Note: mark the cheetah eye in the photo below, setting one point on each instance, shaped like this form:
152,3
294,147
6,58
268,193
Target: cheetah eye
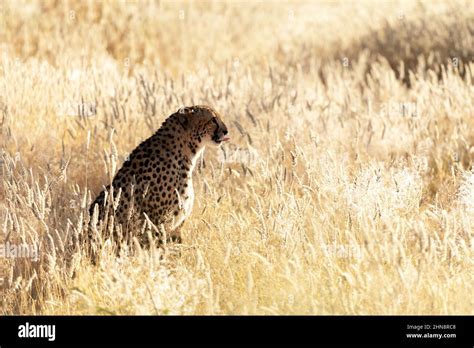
213,120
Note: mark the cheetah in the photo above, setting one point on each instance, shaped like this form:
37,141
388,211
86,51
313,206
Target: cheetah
156,179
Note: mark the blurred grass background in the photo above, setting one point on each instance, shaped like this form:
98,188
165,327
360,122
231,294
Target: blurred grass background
347,187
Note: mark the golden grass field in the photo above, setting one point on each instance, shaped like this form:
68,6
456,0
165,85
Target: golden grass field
347,187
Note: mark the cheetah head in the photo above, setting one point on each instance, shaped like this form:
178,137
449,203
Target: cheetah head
203,124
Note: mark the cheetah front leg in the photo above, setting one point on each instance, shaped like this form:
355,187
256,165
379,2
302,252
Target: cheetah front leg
175,236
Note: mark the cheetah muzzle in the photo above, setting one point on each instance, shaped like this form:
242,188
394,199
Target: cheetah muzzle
156,180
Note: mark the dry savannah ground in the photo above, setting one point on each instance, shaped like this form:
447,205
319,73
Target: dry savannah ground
347,187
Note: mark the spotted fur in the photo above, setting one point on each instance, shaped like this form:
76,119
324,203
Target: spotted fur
156,180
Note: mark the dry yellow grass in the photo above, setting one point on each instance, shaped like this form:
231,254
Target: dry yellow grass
347,188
